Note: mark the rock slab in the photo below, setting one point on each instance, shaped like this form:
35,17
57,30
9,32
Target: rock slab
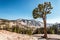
6,35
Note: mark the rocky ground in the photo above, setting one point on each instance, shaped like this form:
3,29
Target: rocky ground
6,35
50,36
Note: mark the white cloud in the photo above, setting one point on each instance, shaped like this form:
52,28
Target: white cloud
52,20
56,20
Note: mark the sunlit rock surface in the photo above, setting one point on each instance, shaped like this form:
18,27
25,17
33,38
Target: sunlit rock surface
6,35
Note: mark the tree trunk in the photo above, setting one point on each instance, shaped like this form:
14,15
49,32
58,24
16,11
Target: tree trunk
45,30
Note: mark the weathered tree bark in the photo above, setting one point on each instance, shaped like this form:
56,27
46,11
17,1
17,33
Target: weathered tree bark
45,30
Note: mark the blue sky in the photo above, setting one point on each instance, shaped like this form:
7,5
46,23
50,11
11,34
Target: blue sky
15,9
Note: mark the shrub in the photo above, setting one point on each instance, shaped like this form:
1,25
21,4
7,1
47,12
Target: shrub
29,32
39,31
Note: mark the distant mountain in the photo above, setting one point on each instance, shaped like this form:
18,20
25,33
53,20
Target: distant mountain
32,23
29,23
23,22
